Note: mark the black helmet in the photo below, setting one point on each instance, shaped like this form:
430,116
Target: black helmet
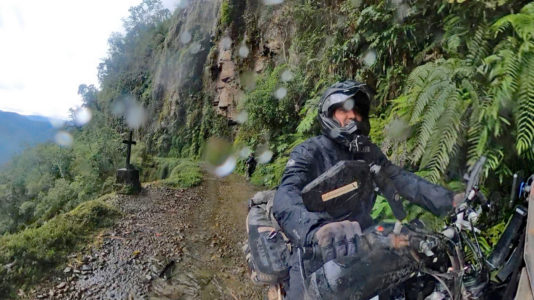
351,95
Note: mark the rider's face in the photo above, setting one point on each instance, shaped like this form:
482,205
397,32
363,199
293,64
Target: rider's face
343,116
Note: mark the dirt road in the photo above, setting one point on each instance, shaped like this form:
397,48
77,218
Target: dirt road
169,244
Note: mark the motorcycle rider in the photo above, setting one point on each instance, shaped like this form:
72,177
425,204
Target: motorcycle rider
344,119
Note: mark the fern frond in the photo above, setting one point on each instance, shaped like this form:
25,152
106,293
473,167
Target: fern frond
522,23
430,118
525,114
443,144
479,45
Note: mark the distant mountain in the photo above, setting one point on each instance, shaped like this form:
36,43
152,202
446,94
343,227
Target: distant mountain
18,132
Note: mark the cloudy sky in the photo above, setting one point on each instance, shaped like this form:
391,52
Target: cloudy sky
48,48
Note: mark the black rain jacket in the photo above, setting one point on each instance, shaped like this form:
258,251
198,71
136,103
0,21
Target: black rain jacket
315,156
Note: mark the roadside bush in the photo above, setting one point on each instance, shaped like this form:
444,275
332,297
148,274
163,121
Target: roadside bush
27,255
184,175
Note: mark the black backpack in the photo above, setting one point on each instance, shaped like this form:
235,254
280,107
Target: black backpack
267,249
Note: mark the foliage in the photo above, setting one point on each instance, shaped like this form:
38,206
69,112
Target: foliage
473,103
184,175
34,251
50,179
226,13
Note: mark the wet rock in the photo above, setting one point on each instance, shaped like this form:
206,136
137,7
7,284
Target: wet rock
61,285
86,268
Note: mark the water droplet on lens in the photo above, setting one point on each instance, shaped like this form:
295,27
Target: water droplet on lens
243,51
280,93
403,10
265,157
245,152
272,2
356,3
82,116
195,48
118,108
135,116
369,58
248,80
242,117
63,138
226,168
348,105
398,130
185,37
226,43
287,76
56,123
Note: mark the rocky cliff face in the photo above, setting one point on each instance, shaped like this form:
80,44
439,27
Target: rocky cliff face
185,51
256,37
226,57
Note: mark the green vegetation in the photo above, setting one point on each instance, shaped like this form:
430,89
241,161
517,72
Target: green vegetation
185,174
454,80
32,252
226,13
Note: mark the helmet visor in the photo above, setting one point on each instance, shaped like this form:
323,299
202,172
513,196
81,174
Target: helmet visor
358,102
335,100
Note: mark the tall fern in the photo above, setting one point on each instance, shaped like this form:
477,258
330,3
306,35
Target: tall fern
483,101
434,104
513,73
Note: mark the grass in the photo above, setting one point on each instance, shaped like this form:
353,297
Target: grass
34,251
185,174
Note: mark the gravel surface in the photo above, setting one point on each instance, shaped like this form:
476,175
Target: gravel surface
169,244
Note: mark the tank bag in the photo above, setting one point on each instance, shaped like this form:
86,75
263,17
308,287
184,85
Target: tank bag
267,249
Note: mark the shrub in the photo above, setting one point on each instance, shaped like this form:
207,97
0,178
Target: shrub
32,252
184,175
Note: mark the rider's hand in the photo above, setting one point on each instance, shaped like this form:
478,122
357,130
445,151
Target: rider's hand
337,239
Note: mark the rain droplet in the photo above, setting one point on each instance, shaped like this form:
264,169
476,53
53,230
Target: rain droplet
245,152
348,105
185,37
195,48
287,75
226,168
398,130
369,58
118,108
217,151
248,80
356,3
242,117
265,157
135,116
243,51
56,123
272,2
63,138
226,43
403,10
82,116
280,93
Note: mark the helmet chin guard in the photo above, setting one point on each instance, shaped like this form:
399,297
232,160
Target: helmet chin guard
335,97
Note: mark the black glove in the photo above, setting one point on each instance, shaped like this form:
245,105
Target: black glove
364,149
338,239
